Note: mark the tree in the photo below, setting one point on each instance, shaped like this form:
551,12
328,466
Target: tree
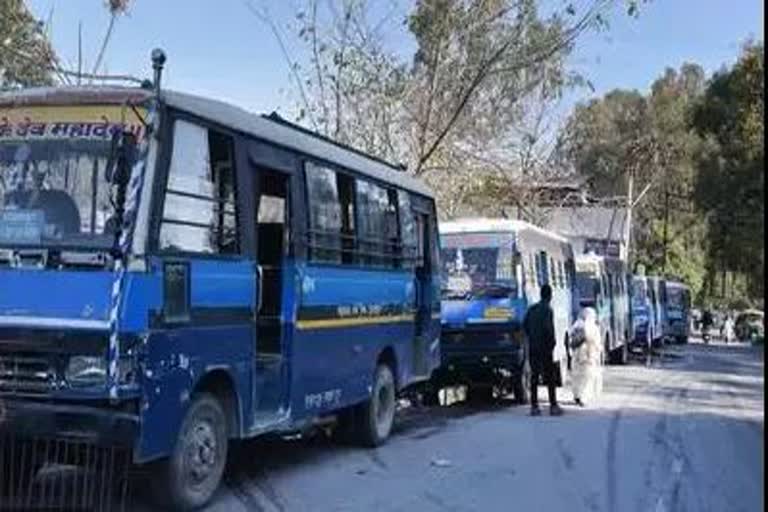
646,138
731,177
460,110
115,8
26,56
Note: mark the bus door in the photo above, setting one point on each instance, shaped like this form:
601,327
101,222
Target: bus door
274,273
427,307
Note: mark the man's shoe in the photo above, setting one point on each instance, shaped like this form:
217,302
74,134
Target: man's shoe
535,411
555,410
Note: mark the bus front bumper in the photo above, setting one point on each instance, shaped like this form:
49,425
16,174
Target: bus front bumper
81,423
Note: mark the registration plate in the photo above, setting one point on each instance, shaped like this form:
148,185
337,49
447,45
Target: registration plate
498,313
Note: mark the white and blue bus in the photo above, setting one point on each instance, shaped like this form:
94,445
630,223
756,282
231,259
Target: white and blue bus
678,307
176,272
492,271
602,283
657,292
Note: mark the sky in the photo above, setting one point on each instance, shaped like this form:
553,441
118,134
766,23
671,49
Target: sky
218,48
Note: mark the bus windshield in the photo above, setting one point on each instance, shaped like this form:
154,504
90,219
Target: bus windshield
676,298
587,287
53,186
639,293
478,271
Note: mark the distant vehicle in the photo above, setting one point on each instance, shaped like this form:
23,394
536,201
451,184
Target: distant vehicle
695,319
233,275
645,325
601,283
491,273
750,325
678,312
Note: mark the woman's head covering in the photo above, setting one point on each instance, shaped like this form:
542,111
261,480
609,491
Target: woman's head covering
588,314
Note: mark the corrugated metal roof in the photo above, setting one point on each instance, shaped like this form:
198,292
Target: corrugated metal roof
595,222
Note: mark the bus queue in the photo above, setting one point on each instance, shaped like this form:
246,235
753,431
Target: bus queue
200,274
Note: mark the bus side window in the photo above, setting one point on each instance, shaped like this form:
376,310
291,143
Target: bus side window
372,211
199,214
408,229
325,216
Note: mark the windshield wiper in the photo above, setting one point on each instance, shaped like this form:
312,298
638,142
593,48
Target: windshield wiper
494,291
448,294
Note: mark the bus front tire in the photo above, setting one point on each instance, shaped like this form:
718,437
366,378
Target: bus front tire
189,478
521,387
377,415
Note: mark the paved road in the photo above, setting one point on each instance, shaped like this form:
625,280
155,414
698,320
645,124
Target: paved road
683,434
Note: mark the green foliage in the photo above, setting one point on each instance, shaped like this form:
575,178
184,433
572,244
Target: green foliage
698,146
731,179
26,55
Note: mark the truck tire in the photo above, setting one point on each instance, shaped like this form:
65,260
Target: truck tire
377,415
189,478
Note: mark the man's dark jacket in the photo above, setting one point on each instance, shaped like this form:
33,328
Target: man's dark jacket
539,327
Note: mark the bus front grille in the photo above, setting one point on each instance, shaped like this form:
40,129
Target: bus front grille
26,373
62,475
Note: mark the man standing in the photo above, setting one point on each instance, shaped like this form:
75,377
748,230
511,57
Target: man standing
539,327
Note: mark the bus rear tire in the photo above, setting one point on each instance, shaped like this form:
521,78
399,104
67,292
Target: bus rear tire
377,415
189,478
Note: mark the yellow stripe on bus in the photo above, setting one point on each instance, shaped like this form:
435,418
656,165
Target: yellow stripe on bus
326,323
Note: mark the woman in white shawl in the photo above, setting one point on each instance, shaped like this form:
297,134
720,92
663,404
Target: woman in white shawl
587,348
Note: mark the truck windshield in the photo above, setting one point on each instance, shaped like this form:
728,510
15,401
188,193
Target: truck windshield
478,271
53,186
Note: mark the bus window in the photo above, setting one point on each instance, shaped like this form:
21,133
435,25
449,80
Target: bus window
346,187
325,218
372,210
199,214
408,235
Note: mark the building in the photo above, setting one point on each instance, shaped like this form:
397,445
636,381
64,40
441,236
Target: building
597,229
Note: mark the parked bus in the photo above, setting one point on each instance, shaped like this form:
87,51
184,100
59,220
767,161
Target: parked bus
602,284
177,272
678,311
492,270
642,318
657,290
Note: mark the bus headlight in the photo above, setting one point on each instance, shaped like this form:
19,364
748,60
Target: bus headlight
86,370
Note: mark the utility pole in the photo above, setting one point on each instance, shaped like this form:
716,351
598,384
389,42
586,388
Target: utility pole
628,218
666,224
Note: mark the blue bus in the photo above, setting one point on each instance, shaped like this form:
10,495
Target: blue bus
646,330
657,291
492,270
176,272
602,283
678,308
